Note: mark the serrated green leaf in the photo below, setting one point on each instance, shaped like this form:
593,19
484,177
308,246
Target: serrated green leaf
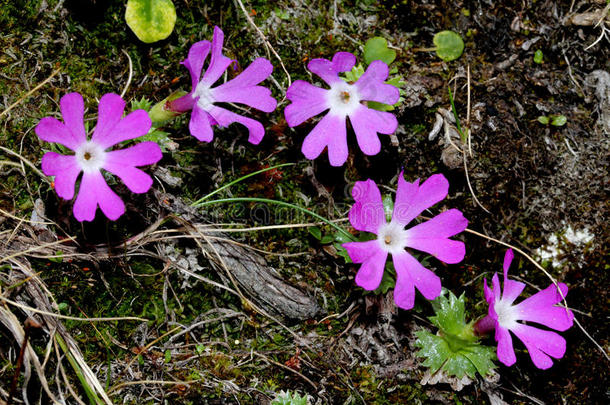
142,104
150,20
538,56
449,45
455,348
354,74
450,313
158,136
377,49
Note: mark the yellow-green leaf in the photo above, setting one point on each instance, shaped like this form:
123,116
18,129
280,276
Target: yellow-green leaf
150,20
449,45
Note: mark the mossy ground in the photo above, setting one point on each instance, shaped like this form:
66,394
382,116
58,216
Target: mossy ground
521,171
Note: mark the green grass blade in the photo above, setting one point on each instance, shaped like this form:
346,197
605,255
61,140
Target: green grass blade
218,190
276,202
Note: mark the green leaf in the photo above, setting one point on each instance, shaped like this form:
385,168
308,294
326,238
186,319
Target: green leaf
326,239
455,349
168,356
388,206
543,119
150,20
315,232
538,56
377,49
449,45
160,137
354,74
142,104
558,120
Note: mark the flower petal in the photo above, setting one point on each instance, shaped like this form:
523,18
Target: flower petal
367,123
331,132
122,164
141,154
196,58
66,171
94,191
134,125
307,101
432,236
360,252
242,89
540,308
428,283
225,117
367,213
412,199
52,130
73,110
371,272
541,344
218,63
200,126
371,85
329,71
109,114
505,351
512,288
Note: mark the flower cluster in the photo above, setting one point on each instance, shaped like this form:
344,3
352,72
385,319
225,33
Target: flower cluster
393,235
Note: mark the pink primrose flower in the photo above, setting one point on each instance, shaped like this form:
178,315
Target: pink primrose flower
90,156
242,89
342,100
367,214
539,308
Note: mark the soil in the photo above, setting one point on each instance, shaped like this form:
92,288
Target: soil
539,187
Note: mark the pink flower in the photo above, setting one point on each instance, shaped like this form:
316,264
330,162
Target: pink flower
432,236
90,156
242,89
539,308
342,100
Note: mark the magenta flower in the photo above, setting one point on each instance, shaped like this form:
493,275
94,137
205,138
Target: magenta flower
90,156
242,89
342,100
539,308
432,236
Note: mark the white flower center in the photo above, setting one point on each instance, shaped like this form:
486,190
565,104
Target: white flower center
342,99
90,157
392,237
507,316
204,97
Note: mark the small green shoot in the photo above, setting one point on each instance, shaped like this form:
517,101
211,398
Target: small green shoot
463,134
556,120
538,56
150,20
449,45
454,349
